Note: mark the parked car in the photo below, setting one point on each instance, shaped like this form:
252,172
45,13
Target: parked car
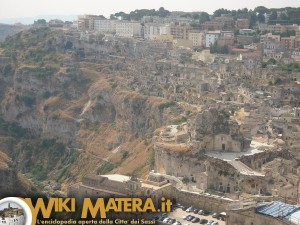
164,215
190,209
215,223
195,220
172,221
210,222
190,218
215,215
223,216
203,221
180,206
200,212
186,216
177,223
196,210
203,212
166,220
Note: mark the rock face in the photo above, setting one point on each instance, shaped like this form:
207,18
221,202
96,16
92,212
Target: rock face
12,183
211,122
214,131
134,113
206,173
56,98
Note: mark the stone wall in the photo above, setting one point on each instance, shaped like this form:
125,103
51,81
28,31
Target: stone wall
249,217
202,201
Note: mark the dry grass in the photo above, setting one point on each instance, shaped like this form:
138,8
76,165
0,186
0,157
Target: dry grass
135,95
4,160
66,115
240,116
52,100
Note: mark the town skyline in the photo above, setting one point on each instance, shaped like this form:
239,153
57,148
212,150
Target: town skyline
68,9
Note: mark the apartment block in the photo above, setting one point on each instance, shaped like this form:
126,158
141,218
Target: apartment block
179,31
211,37
227,20
242,24
152,30
105,26
128,29
288,42
197,37
212,25
269,36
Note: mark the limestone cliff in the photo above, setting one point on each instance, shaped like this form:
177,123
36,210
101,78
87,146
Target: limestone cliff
68,115
13,183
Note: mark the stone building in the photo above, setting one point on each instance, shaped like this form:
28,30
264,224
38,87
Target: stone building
197,37
242,24
116,185
12,216
213,131
128,29
212,25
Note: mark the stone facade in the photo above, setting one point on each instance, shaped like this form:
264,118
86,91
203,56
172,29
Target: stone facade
120,186
12,216
249,217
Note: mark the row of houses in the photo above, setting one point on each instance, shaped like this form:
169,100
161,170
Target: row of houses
179,31
179,35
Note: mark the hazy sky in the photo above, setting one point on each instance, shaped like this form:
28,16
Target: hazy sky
32,8
13,205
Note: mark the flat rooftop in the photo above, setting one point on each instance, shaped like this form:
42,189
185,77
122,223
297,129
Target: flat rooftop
117,177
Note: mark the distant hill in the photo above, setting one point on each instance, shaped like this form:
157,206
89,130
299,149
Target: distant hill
6,30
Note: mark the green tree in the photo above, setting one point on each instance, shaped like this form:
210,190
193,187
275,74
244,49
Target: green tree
162,12
252,18
7,69
261,18
273,16
185,180
271,61
112,17
196,16
204,16
69,45
185,57
261,10
221,11
284,16
194,24
224,49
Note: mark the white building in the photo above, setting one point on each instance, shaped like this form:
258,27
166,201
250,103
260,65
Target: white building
152,30
105,26
211,37
296,55
128,29
15,220
196,37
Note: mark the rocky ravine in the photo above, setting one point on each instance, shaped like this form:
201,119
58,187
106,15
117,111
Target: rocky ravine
72,120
